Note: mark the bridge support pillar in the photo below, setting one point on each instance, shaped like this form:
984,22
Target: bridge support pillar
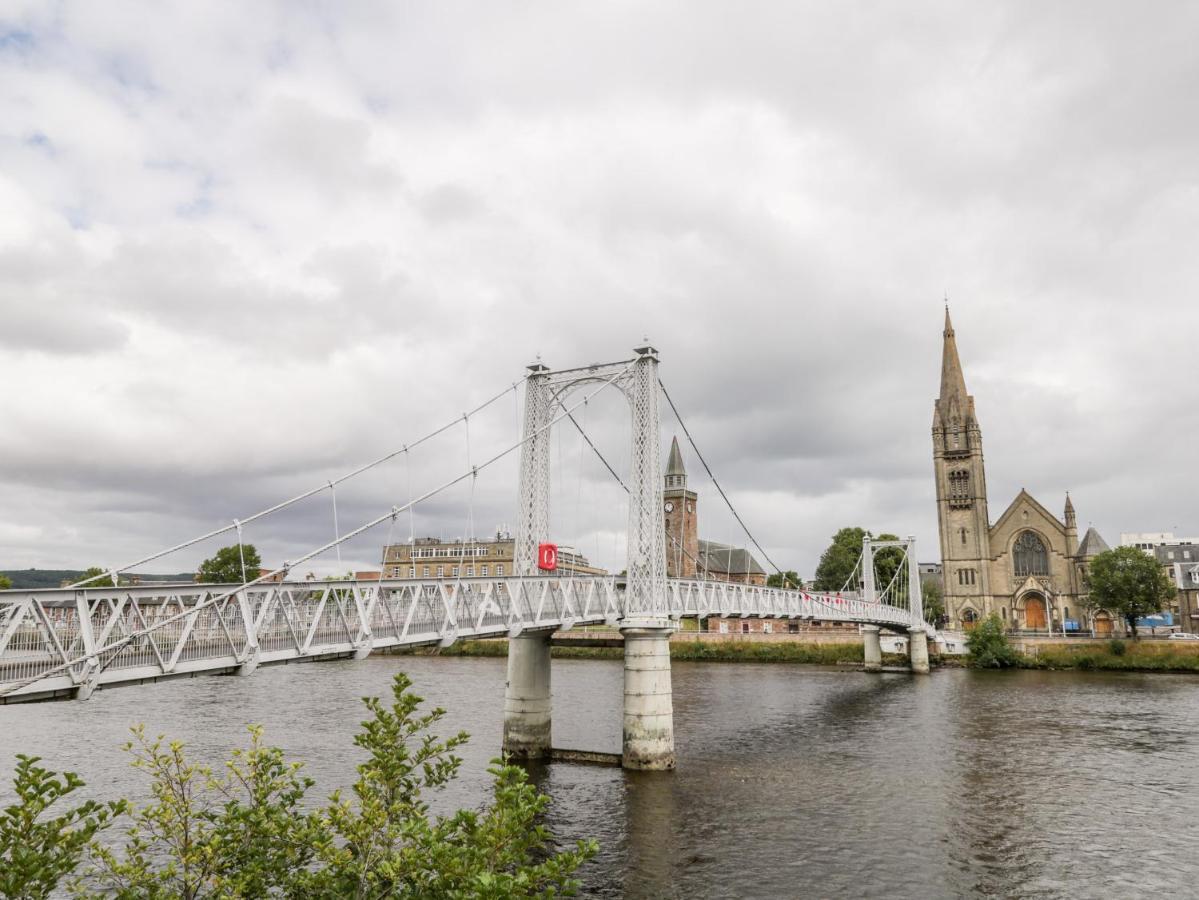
648,699
872,648
527,704
918,650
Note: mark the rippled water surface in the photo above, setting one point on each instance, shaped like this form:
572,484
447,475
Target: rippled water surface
792,781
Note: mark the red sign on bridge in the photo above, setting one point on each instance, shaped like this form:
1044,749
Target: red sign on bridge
547,557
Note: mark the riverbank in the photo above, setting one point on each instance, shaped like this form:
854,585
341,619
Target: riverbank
683,650
1108,656
1113,656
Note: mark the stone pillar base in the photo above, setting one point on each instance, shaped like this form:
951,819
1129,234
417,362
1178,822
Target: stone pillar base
873,648
918,650
648,700
527,704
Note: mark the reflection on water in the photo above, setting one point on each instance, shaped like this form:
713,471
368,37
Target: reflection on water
792,781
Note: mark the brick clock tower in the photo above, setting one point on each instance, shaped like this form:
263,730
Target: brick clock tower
678,507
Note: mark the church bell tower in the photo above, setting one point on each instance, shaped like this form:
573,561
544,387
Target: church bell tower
961,491
678,508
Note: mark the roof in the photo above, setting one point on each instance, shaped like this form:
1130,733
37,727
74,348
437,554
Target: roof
953,382
714,557
1092,544
674,465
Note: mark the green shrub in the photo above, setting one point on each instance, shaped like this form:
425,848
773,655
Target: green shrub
1117,647
246,832
988,645
38,850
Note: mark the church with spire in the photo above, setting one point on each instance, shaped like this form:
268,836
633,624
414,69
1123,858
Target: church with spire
1029,567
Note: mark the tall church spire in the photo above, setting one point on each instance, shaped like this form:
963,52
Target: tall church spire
953,383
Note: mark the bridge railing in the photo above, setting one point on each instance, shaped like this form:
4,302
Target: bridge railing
55,640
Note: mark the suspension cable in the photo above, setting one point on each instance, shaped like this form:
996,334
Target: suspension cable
287,566
304,496
708,469
699,566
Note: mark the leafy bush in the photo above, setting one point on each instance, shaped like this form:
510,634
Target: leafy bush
36,850
1117,647
245,832
988,645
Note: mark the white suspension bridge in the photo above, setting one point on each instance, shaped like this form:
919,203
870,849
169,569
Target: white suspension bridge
69,642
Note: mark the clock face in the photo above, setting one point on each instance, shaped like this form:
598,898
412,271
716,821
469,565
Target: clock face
669,506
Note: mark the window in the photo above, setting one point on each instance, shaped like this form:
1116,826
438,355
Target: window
959,489
441,571
454,571
966,576
963,535
483,570
470,571
426,572
745,628
412,572
767,628
1029,555
793,628
724,627
499,569
1169,554
1065,612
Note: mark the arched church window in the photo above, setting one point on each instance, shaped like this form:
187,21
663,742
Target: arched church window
963,535
1029,555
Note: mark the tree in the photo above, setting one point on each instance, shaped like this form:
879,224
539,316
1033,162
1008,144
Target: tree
787,579
841,558
38,850
1128,583
886,563
5,583
100,578
225,567
988,645
934,601
838,561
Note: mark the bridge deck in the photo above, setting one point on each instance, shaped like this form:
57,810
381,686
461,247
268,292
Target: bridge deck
52,642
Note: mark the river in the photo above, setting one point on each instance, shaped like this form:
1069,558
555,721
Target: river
793,781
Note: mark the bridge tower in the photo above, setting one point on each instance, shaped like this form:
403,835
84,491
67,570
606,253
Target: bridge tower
648,741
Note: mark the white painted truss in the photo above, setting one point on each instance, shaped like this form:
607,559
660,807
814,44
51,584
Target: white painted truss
59,643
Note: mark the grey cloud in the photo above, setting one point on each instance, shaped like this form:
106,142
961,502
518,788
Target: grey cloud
313,235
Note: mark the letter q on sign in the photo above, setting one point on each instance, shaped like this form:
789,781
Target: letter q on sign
547,557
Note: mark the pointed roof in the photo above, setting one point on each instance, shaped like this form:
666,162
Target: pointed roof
953,382
674,465
1069,503
1092,544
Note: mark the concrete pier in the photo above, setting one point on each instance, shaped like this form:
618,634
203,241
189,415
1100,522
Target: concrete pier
648,700
873,648
527,704
918,650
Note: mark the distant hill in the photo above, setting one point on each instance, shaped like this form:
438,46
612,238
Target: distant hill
28,579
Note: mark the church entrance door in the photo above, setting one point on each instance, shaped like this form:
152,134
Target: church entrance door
1103,625
1034,613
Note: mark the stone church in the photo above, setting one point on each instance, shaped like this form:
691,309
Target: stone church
1029,567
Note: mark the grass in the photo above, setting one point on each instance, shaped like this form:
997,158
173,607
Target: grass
1116,656
697,651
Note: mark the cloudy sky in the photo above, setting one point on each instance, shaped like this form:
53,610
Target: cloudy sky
245,247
